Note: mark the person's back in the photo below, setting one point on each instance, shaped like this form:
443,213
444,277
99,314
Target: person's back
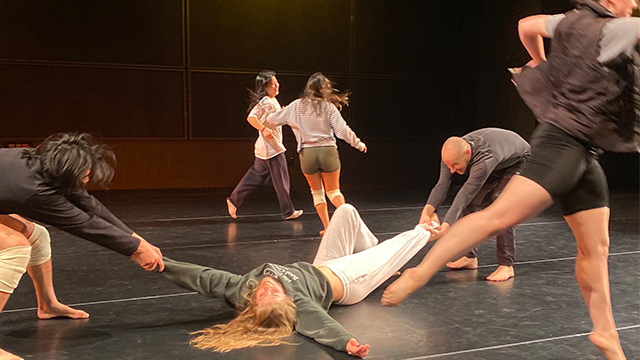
18,179
591,78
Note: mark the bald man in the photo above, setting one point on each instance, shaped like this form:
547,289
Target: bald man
490,156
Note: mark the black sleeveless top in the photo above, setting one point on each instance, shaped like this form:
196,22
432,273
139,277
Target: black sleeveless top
597,103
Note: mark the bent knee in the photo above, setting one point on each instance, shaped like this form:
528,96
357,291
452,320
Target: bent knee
40,241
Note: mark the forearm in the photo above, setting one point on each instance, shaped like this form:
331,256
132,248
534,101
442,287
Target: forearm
255,123
428,210
531,31
89,204
207,281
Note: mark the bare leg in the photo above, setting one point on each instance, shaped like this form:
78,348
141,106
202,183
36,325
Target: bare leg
315,183
48,304
591,229
42,277
332,182
521,199
9,238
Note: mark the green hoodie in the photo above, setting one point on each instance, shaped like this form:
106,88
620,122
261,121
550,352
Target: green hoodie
307,286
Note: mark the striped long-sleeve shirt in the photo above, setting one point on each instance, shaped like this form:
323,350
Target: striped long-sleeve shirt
315,128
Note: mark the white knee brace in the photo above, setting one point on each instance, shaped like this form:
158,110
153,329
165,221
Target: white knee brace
332,194
13,263
40,245
318,197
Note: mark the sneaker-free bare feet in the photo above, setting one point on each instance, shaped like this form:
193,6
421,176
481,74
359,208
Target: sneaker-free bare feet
502,273
322,232
463,263
5,355
61,310
608,344
232,209
399,290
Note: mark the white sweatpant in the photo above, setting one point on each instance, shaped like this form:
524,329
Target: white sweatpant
351,251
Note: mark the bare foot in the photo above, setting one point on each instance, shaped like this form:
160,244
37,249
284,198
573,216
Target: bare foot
463,263
322,232
399,290
502,273
61,310
5,355
608,344
232,209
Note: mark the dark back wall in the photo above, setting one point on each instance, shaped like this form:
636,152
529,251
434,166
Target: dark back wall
164,82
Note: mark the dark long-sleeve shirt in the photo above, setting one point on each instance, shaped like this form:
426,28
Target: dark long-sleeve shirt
23,191
492,150
307,286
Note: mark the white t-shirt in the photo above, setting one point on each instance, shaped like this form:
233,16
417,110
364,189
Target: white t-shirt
267,148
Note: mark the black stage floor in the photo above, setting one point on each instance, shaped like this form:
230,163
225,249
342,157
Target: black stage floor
138,315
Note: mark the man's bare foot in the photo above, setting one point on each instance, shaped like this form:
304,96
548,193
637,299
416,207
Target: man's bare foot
5,355
608,344
399,290
322,232
463,263
61,310
502,273
232,209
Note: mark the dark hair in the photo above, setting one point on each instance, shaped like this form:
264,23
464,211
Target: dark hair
262,81
320,89
65,159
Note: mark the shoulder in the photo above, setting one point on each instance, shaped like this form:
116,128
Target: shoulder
619,36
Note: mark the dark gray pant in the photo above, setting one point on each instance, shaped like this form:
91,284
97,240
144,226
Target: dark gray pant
505,241
258,175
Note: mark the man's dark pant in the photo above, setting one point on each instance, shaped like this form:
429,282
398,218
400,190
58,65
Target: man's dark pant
505,241
258,175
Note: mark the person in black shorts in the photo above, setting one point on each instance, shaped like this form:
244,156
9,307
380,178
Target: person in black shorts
586,98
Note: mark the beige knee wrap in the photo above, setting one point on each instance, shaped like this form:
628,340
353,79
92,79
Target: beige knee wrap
332,194
40,245
318,197
13,263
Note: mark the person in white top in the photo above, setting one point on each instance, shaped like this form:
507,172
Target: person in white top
316,121
270,161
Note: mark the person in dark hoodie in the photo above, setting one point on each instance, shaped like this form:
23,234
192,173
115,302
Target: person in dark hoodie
587,98
274,300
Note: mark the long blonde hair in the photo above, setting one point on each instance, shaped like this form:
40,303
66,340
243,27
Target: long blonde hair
264,325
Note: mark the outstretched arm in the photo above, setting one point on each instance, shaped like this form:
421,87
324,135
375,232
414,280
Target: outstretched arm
280,117
207,281
343,131
531,30
315,322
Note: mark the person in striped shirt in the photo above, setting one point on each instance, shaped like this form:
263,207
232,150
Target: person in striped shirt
316,122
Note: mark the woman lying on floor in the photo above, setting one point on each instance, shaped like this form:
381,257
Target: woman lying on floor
274,300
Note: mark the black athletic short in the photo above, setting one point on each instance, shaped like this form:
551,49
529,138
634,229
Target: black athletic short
568,169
